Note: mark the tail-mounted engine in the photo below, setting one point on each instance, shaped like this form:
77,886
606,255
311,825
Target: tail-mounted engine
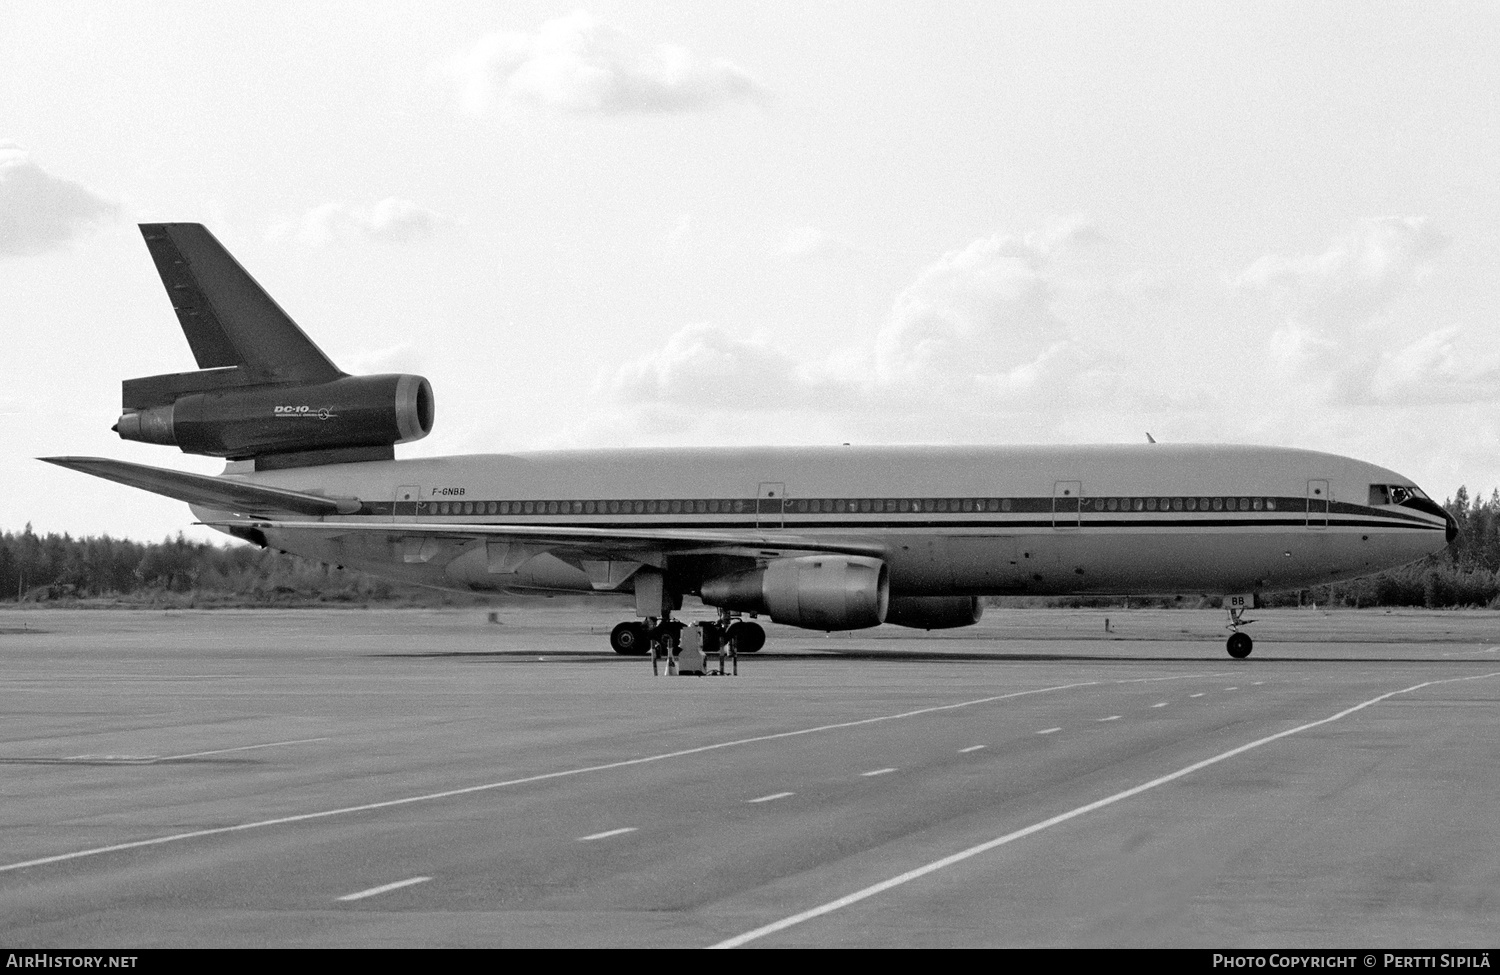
263,390
356,417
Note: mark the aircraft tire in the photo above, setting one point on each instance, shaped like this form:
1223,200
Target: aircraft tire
629,640
748,637
1240,645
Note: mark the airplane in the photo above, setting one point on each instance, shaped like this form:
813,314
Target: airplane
823,538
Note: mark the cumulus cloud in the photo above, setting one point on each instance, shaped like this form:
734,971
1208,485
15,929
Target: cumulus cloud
40,212
984,310
1357,277
578,65
392,220
1342,338
973,346
706,367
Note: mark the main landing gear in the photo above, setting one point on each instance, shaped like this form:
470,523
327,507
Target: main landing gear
662,637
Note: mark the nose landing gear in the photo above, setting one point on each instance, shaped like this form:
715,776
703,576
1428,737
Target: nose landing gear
1239,644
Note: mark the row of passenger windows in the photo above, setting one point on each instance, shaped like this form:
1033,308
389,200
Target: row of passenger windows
1180,504
841,506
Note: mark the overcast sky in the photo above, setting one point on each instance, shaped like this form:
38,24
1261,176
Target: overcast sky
636,224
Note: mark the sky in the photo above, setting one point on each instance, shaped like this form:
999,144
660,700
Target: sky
764,222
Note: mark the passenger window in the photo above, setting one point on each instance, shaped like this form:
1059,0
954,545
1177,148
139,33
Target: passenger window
1218,504
1255,504
1202,504
1270,504
1192,504
1176,504
1005,504
1244,504
530,506
1150,504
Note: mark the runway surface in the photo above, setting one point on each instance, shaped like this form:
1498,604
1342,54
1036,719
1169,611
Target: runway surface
428,778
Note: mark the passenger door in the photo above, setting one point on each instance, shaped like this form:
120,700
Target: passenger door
770,503
407,502
1067,505
1318,496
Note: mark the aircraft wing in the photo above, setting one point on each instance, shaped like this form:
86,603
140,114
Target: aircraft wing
213,492
585,539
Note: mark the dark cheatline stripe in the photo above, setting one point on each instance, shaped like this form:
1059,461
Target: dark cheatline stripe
1288,512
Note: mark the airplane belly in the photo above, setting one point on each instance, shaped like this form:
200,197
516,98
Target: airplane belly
1085,562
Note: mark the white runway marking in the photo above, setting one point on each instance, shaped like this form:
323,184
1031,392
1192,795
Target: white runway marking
384,888
1161,705
607,834
242,748
1112,717
1257,683
153,759
999,841
526,780
971,748
772,797
878,771
1048,731
1199,694
1231,688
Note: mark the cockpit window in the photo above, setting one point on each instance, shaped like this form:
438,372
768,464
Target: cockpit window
1394,493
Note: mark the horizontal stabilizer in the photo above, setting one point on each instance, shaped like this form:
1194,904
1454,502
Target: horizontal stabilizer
212,492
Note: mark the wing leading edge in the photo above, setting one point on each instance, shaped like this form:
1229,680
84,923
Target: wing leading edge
213,492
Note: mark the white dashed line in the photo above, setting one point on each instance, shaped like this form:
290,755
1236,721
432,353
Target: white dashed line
878,771
772,796
1161,705
607,833
1048,731
1257,683
529,779
971,748
1196,695
999,841
1112,717
384,888
1231,688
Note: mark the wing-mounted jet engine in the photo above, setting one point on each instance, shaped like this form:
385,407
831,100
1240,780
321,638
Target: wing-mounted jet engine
263,390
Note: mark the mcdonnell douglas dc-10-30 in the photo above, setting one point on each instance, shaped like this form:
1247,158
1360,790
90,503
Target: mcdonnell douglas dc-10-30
835,538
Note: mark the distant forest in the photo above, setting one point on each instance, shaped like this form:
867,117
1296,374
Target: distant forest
176,572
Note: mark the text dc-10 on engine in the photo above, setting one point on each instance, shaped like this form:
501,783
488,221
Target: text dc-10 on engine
823,538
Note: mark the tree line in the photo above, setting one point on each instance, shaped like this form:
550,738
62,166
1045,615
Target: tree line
48,567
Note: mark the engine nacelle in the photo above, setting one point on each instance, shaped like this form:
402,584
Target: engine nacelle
253,420
934,612
816,592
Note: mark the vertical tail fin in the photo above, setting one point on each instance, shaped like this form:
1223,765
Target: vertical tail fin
228,318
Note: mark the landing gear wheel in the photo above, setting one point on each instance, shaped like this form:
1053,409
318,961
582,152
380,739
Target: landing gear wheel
748,637
629,640
1239,645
